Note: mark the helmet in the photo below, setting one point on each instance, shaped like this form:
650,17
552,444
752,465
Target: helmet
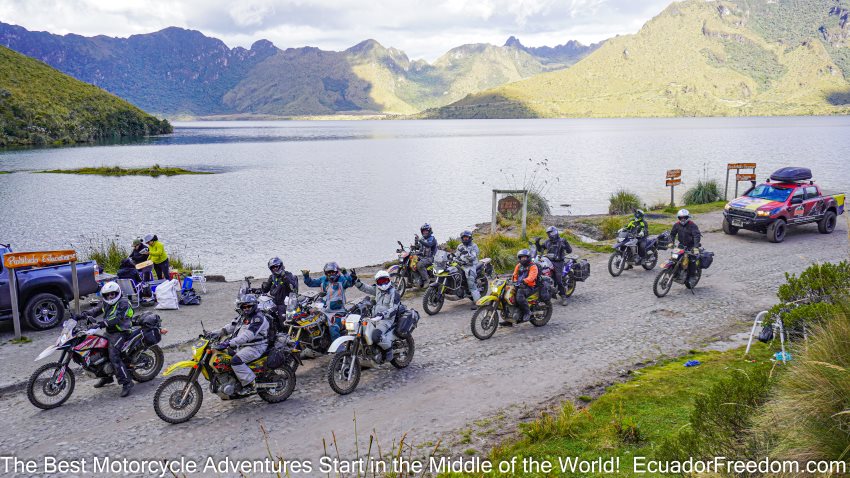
683,215
382,280
639,214
149,237
247,304
552,231
466,237
425,227
276,266
331,270
110,292
524,256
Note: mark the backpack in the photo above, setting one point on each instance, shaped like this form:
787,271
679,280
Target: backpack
189,297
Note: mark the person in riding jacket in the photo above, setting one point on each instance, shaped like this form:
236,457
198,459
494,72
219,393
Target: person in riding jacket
117,320
127,270
248,334
689,239
557,248
640,229
280,285
525,278
387,307
139,254
333,284
467,258
427,249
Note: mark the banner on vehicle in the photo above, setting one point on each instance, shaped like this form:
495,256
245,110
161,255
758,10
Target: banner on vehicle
15,260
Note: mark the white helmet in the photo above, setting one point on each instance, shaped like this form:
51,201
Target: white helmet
110,292
683,215
382,280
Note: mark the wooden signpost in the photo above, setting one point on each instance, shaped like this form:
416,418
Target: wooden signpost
17,260
674,178
509,204
751,176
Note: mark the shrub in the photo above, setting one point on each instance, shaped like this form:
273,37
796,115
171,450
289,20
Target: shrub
623,202
610,225
562,424
812,296
108,254
703,193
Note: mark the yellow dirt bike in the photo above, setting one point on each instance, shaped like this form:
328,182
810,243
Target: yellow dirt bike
179,398
500,304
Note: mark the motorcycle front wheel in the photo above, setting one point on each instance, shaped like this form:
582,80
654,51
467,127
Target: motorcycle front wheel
547,314
400,284
652,261
663,283
616,264
148,364
432,302
339,378
168,401
484,322
285,378
45,390
403,352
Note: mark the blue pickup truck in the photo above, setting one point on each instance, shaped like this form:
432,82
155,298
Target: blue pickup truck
44,292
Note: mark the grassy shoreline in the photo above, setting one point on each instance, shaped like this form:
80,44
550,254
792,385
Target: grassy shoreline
153,171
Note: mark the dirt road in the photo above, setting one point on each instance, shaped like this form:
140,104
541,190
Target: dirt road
609,325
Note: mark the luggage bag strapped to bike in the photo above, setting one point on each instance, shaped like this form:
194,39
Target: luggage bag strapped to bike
407,322
581,270
150,324
278,351
663,241
705,259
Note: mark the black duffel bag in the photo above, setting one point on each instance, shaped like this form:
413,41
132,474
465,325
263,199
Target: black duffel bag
407,323
766,334
277,355
705,259
150,324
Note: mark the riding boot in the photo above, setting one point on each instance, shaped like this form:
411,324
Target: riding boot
125,389
249,389
563,300
104,381
388,354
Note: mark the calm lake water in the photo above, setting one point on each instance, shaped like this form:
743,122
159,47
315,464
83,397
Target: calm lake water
347,190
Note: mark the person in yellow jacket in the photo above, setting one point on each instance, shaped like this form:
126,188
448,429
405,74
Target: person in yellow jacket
156,253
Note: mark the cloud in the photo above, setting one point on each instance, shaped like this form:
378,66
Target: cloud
422,28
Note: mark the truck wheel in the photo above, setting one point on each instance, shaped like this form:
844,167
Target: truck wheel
827,224
44,311
776,231
728,228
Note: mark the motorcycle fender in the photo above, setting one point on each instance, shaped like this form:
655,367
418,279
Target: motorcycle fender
179,365
339,344
486,300
46,352
667,265
394,269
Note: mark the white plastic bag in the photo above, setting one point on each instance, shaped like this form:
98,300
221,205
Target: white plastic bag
166,295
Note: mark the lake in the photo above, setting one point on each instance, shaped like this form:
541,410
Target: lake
315,191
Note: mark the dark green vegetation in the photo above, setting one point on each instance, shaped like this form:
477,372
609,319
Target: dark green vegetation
109,254
704,192
39,106
153,171
696,58
815,294
623,202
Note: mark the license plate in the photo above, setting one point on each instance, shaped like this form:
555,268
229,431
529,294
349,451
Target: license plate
737,223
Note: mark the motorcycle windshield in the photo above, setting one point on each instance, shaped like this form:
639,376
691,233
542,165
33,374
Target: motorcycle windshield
441,260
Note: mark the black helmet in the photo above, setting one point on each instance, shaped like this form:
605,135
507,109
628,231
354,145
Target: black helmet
247,304
331,270
425,227
276,266
466,237
552,232
639,214
524,256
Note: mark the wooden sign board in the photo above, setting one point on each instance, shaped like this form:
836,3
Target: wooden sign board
745,177
15,260
741,166
674,182
674,173
509,205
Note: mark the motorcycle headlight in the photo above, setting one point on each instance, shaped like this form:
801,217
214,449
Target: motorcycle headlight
350,325
674,255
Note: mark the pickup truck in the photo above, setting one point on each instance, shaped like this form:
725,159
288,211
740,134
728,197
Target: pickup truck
44,292
788,198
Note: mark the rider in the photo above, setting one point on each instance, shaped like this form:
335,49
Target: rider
640,229
689,238
387,307
427,249
467,258
248,335
280,285
118,320
525,278
333,284
557,248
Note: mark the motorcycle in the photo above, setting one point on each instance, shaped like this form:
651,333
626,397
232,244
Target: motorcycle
676,270
450,281
626,252
179,398
309,324
354,350
81,342
500,304
405,274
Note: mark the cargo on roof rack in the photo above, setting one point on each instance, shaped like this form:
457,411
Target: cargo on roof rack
791,174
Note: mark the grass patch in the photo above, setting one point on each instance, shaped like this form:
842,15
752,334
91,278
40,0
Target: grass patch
698,208
153,171
575,241
5,172
704,192
623,202
23,340
109,254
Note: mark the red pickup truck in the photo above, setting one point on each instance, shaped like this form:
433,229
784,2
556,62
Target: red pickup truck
788,198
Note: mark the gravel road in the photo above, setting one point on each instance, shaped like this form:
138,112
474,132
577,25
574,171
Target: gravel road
610,325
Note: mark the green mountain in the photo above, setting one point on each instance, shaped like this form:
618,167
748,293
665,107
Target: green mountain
696,58
40,105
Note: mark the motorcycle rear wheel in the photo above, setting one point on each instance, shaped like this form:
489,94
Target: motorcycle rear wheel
663,283
166,400
569,286
286,385
484,322
151,360
403,352
49,387
547,315
651,265
400,284
431,303
337,370
616,269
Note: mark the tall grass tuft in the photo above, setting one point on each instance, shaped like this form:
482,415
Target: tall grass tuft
563,423
704,192
623,202
108,253
610,225
539,181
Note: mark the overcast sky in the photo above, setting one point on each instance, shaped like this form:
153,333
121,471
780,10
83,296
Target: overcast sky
422,28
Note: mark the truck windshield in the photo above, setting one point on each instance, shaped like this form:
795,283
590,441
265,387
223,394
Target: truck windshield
766,191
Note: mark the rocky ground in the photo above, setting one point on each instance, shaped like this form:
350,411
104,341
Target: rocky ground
459,392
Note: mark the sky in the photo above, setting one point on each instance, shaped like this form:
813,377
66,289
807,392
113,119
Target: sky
421,28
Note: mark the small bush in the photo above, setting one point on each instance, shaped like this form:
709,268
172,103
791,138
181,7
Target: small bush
108,254
811,296
623,202
537,204
610,225
703,193
562,424
627,431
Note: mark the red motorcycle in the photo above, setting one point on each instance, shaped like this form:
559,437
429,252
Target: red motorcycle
53,383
